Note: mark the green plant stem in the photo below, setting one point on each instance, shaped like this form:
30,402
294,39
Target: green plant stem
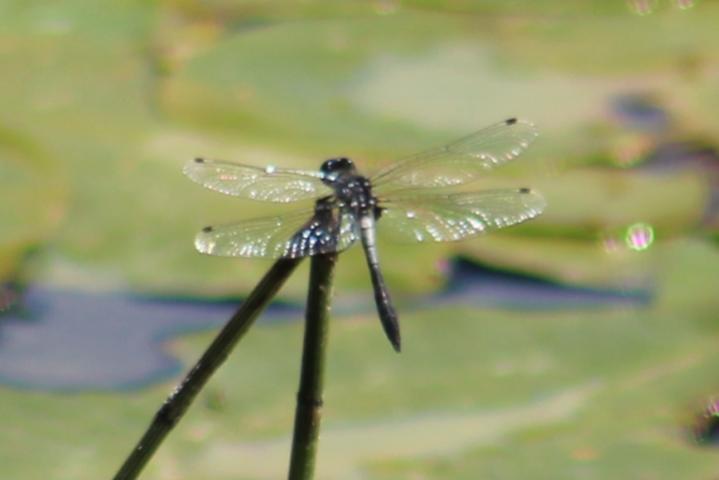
309,396
177,403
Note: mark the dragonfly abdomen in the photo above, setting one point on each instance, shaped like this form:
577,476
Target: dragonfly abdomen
385,309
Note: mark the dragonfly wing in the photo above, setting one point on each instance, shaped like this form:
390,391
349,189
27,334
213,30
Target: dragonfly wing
459,162
451,217
293,235
269,184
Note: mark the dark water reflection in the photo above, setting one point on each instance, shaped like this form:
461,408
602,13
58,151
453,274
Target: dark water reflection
69,340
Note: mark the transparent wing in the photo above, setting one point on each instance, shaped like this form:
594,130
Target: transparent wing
269,184
297,234
451,217
458,162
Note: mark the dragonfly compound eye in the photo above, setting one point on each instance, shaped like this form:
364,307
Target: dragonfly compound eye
341,164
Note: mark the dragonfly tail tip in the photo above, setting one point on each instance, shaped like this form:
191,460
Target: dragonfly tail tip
396,343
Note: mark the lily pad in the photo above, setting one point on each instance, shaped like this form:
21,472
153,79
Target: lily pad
34,200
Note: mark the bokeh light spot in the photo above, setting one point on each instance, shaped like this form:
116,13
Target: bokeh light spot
642,7
706,427
611,244
631,150
639,236
385,7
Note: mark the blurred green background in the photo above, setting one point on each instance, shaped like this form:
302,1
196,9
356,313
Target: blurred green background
103,102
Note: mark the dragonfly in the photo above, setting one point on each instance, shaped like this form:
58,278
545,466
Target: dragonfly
415,198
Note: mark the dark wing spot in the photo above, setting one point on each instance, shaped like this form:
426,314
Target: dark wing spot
199,160
510,121
524,190
207,229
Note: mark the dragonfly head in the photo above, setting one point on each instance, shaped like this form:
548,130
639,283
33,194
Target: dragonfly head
335,167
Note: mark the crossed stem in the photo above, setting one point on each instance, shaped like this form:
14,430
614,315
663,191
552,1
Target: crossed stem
309,397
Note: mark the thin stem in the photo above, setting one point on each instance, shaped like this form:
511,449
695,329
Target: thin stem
180,399
309,395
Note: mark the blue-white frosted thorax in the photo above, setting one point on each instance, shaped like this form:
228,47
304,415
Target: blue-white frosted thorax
352,189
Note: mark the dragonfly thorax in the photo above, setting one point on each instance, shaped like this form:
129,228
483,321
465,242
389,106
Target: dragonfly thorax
351,189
